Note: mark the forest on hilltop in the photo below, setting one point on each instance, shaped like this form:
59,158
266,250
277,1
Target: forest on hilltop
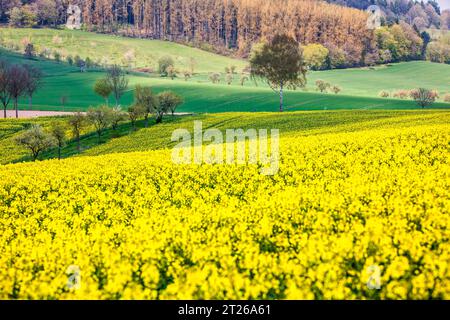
336,36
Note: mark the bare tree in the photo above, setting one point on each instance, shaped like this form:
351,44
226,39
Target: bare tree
63,99
118,82
35,81
5,95
19,78
423,97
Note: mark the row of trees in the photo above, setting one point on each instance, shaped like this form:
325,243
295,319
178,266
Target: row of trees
423,97
332,36
146,103
17,81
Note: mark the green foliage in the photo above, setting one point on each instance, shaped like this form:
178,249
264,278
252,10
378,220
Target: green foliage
103,88
315,56
169,101
22,17
280,63
165,64
35,140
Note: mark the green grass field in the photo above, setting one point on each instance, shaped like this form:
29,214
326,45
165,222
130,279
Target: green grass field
111,49
201,96
360,87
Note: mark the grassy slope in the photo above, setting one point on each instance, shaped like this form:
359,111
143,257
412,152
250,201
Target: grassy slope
406,75
158,136
200,96
112,48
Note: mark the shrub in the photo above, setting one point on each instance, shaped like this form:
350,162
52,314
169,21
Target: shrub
336,89
57,56
322,85
384,94
402,94
215,77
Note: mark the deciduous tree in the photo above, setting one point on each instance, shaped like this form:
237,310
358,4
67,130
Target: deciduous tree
280,63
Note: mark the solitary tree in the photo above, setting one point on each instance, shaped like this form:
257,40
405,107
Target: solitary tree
164,63
118,82
63,99
35,81
169,101
36,140
58,131
5,95
77,123
423,97
103,88
99,118
280,63
19,78
322,86
144,97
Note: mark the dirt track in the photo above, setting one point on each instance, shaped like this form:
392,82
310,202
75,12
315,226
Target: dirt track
34,114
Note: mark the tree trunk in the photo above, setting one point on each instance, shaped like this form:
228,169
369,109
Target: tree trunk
4,111
59,152
159,119
78,144
16,108
30,102
281,97
146,121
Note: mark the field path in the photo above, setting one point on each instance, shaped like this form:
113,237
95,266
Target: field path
23,114
26,114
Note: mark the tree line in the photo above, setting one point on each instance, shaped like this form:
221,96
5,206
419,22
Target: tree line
146,104
233,26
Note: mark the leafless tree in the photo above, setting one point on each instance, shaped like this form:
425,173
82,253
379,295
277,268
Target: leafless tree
118,82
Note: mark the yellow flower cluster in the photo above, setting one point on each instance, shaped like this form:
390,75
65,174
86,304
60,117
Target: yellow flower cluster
138,226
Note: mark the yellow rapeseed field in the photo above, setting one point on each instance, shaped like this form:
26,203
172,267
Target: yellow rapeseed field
136,226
